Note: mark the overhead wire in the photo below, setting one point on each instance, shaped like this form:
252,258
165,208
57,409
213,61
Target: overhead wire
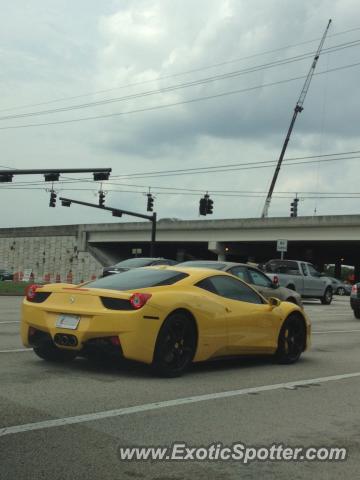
209,169
174,75
173,104
171,88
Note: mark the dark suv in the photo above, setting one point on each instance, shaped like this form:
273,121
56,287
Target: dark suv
138,262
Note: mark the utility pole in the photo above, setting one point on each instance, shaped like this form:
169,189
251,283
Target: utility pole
298,109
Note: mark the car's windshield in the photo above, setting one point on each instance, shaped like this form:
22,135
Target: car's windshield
138,278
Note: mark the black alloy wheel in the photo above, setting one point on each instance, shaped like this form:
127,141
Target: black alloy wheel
292,339
175,345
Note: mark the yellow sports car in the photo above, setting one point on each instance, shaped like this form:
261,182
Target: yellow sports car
164,316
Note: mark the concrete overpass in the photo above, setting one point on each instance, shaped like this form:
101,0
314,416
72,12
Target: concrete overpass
320,239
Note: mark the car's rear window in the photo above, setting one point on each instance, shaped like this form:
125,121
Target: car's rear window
282,266
135,262
203,264
138,278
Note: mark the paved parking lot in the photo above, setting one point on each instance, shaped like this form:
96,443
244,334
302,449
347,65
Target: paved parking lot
67,421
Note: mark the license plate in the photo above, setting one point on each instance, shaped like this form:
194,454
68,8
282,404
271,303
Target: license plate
70,322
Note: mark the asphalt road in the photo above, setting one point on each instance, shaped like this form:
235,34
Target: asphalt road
321,412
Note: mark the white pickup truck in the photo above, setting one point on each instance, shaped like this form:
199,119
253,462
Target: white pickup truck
301,277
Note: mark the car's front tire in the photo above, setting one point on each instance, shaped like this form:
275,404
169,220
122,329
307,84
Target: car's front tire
357,312
326,299
341,291
51,353
175,346
292,340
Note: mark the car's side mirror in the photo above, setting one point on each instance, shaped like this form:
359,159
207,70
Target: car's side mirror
274,302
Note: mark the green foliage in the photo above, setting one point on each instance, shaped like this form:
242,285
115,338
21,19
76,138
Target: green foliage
13,288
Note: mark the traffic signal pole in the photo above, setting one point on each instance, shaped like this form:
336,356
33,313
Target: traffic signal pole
153,235
117,212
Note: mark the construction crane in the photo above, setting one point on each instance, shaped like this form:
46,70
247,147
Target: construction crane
298,109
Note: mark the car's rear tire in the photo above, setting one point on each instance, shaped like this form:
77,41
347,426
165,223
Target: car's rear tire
357,312
340,291
292,300
51,353
175,346
291,287
326,299
292,340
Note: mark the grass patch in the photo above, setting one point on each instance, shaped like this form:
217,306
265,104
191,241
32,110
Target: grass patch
13,288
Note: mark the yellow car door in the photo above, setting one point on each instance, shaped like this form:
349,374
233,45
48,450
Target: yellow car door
250,321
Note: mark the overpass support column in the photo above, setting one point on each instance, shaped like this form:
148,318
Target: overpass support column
218,248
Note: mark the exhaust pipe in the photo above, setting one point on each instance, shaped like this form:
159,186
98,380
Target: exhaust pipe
66,340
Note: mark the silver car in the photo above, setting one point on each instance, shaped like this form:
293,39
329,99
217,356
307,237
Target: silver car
339,287
251,275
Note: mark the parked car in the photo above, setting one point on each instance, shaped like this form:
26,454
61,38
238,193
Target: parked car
168,317
251,275
355,299
302,277
5,275
137,262
339,287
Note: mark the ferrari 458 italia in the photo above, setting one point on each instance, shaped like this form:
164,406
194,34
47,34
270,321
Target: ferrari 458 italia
165,316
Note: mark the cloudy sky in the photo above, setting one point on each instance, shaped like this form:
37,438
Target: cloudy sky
133,65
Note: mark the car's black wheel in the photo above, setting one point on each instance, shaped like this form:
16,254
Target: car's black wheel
326,299
292,300
291,287
175,346
291,341
341,291
357,312
51,353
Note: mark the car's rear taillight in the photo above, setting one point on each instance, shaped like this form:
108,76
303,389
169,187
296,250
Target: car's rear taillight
276,280
138,300
354,289
30,292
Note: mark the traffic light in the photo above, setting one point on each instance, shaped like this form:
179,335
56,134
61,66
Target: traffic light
203,205
101,199
294,208
206,205
53,196
209,206
150,203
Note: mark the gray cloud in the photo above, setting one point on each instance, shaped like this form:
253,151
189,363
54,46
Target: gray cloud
65,49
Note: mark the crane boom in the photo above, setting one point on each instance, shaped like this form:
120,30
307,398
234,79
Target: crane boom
298,109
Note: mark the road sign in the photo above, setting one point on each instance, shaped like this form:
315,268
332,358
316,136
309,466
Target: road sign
281,245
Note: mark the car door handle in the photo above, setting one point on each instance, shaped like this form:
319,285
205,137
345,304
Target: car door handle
228,309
